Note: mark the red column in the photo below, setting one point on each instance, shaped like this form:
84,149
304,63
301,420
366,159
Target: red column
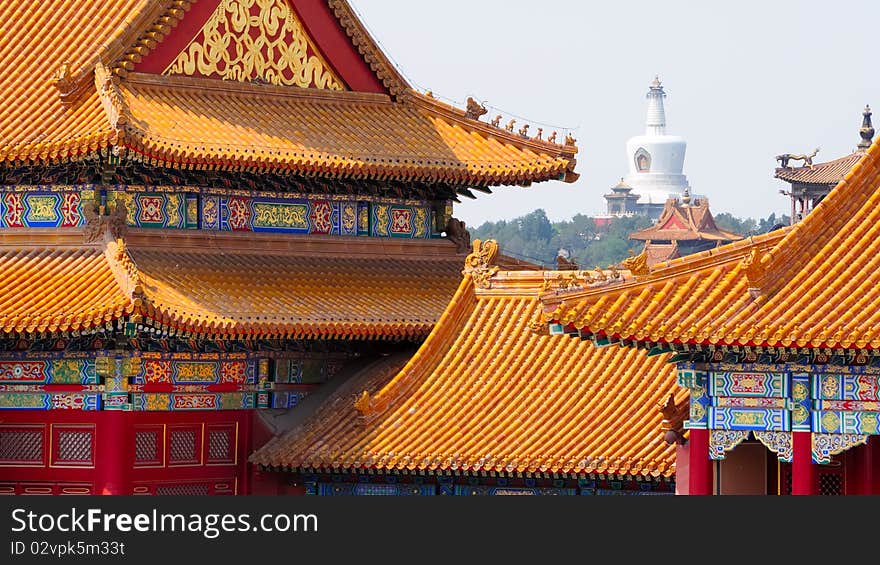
866,467
111,454
874,458
803,476
700,471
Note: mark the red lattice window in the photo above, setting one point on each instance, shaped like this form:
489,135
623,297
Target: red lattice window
184,445
23,446
221,444
830,484
149,446
73,446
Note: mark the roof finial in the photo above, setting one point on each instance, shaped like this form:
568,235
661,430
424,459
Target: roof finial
867,130
656,121
686,197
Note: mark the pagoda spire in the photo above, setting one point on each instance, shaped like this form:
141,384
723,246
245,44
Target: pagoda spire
867,131
656,121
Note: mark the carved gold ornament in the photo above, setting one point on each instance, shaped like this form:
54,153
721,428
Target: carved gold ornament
479,264
637,264
753,265
239,42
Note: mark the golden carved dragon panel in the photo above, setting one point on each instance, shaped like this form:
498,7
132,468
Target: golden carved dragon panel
255,40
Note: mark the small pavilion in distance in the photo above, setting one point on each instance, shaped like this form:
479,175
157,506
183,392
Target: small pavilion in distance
811,182
685,227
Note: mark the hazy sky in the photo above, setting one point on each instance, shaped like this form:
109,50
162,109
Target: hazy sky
746,80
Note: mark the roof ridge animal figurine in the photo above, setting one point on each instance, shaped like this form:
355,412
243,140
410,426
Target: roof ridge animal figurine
807,159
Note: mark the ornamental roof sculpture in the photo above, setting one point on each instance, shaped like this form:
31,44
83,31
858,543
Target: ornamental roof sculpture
828,173
153,80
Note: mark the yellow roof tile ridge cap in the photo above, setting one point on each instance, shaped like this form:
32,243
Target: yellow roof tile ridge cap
784,256
203,84
125,272
457,115
517,284
444,334
126,46
698,262
112,100
367,46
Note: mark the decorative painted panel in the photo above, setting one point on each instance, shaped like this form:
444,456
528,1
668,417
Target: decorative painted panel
761,419
58,371
801,409
411,222
170,207
194,402
348,218
750,402
841,422
305,371
827,445
287,399
699,413
847,405
192,211
363,221
846,387
723,441
192,372
43,209
154,209
50,401
752,385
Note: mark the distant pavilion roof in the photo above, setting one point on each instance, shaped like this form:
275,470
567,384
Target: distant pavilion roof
685,222
829,173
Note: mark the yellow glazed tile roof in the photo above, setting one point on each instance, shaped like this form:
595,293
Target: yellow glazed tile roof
232,287
485,393
813,285
38,36
203,122
293,295
57,289
65,98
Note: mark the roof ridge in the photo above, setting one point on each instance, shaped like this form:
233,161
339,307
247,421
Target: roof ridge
368,47
459,116
127,274
430,353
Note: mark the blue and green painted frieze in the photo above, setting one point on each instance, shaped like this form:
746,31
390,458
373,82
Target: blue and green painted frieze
193,208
